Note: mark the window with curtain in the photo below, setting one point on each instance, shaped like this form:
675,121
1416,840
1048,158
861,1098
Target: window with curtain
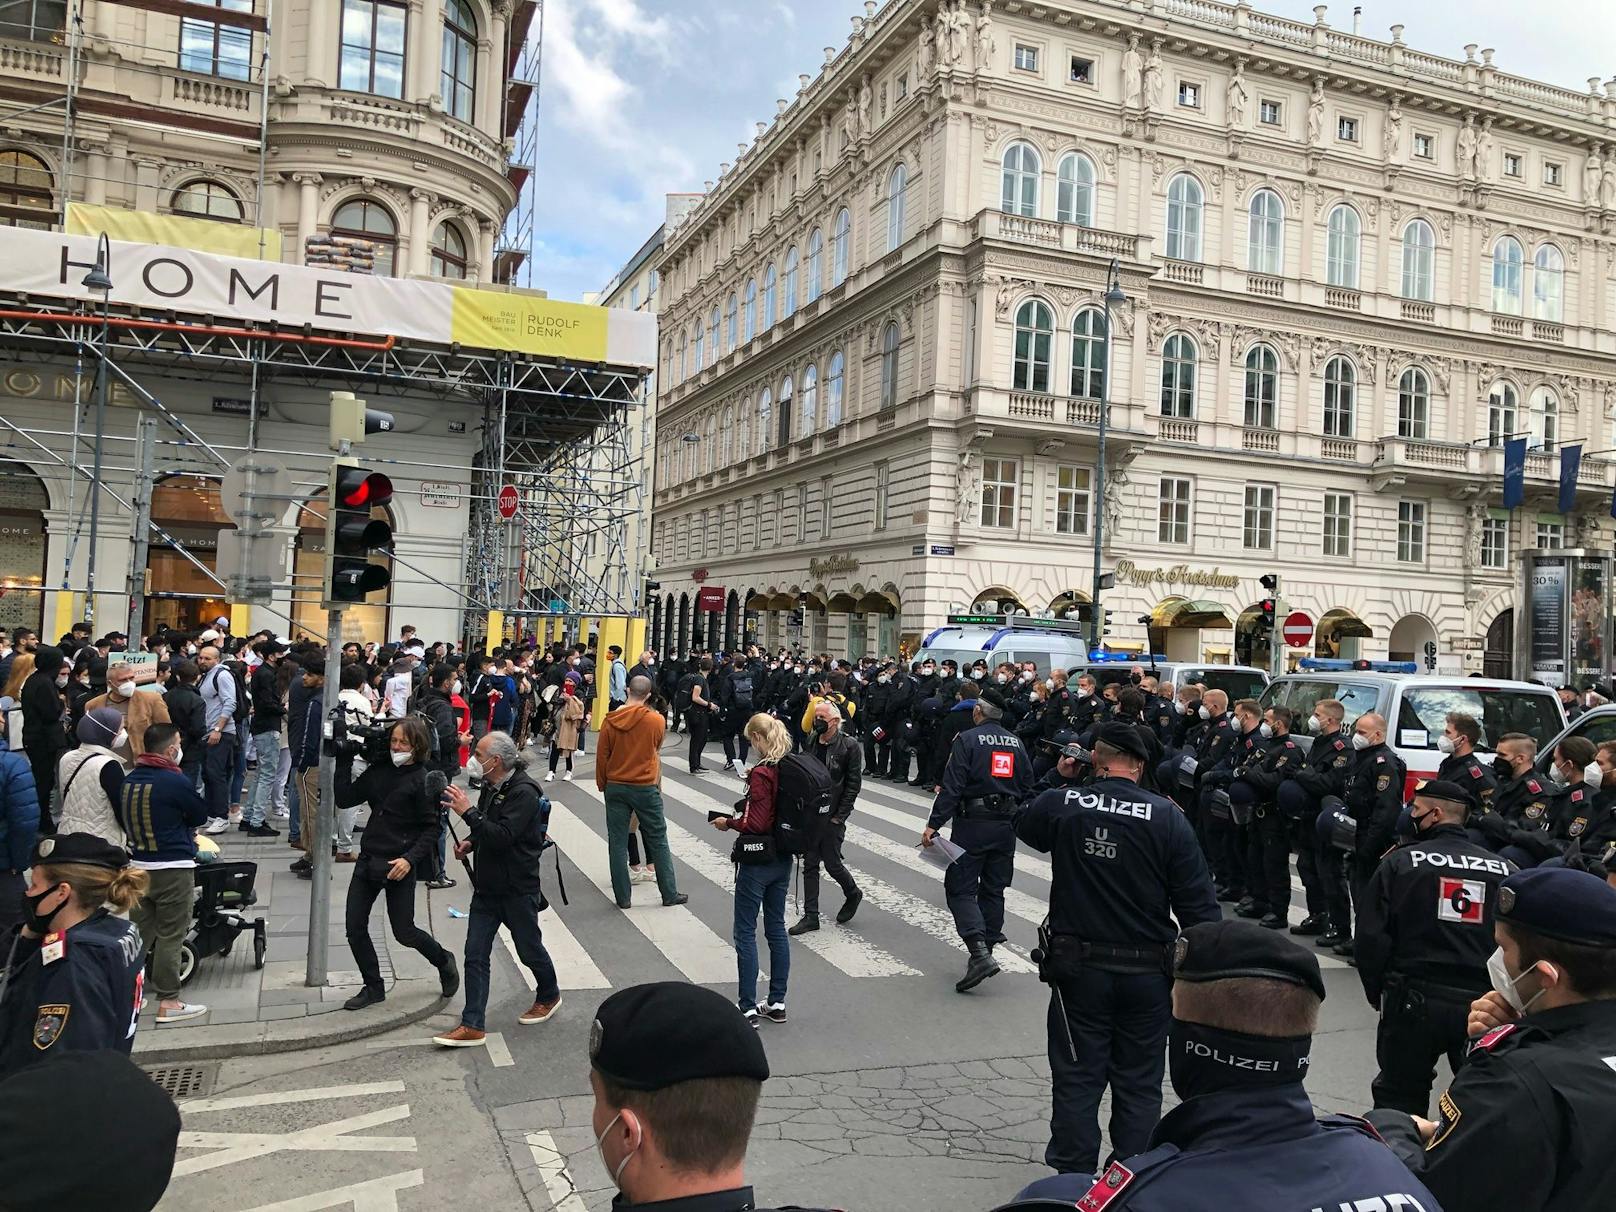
1345,232
208,200
1179,357
1074,190
1265,233
788,299
749,321
1503,409
889,367
449,259
205,47
684,357
743,430
1419,261
808,406
725,427
458,83
897,191
840,248
1019,181
1507,262
1548,284
1035,330
1184,203
833,390
1340,390
1088,353
816,259
26,195
1262,387
771,292
1414,404
698,343
712,336
362,219
372,47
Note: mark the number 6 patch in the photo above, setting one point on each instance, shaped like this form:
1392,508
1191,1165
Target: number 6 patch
1004,764
1460,900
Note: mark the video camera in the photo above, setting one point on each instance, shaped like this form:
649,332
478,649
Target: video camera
369,741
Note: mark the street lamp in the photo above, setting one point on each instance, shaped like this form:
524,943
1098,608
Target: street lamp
1113,298
98,279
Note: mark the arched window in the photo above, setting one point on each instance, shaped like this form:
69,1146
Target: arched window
362,219
743,431
771,291
1179,357
1074,192
897,191
1035,330
371,59
459,78
749,321
765,421
448,251
731,312
1019,181
833,390
709,443
26,199
724,428
816,263
23,504
1088,353
1414,404
788,299
1548,284
786,392
699,344
1341,251
1503,409
1265,234
717,351
840,241
889,367
684,357
1507,262
1340,389
1184,200
1262,387
1545,418
808,407
207,200
1419,261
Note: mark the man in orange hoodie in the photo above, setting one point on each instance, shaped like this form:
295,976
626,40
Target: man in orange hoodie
629,774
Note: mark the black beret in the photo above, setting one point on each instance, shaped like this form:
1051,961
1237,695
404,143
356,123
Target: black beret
993,698
648,1037
84,848
134,1152
1445,789
1123,737
1233,949
1558,902
1062,738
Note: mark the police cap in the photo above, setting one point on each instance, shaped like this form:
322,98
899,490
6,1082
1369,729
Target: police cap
85,848
1062,738
1445,790
1123,737
1557,902
649,1037
1235,949
993,698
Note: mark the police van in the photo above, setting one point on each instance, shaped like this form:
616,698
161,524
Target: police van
1415,707
1237,681
993,638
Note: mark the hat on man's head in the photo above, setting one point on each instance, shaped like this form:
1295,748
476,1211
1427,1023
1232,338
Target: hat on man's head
1123,737
652,1036
1233,949
1573,906
1445,790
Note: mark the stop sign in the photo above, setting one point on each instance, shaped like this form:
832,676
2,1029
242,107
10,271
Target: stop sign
1298,629
507,502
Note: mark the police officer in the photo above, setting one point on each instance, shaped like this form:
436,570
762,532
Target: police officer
72,979
1126,865
1063,709
1072,765
896,723
1322,772
1245,1006
877,735
988,775
1528,1122
1460,736
1523,797
1212,764
1223,816
1424,933
1374,799
1268,851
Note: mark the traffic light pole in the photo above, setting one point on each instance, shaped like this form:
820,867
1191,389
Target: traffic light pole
1276,634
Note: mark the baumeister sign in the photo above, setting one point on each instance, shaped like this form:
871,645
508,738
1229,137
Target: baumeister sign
1178,574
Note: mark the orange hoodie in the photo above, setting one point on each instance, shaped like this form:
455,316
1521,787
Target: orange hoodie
627,750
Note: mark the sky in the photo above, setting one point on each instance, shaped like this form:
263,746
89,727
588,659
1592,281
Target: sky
642,98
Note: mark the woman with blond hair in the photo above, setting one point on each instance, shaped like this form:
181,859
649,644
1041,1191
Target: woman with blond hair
762,876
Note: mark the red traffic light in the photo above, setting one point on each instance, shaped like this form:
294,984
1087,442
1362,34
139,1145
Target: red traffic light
359,489
1267,607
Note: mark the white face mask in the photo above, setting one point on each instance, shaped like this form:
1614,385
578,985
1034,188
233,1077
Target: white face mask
1316,724
1205,713
402,759
1049,684
600,1148
1001,678
884,679
1027,675
1506,986
1557,776
474,768
1265,731
1360,741
123,690
119,741
1444,744
61,680
455,689
177,756
1592,774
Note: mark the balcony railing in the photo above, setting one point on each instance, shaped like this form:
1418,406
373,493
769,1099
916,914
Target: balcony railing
1179,431
1543,330
995,224
1264,440
1032,407
1423,313
1268,288
1343,449
1187,273
1339,296
1507,326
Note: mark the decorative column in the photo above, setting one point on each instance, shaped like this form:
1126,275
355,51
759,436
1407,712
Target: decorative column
146,184
485,246
96,166
426,23
494,84
308,210
420,202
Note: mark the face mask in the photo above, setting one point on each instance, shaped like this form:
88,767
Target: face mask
1557,776
83,681
796,669
402,759
455,689
1360,741
1135,678
1205,1060
600,1148
190,650
1444,744
928,670
979,674
474,768
37,922
1027,675
1316,724
177,756
884,679
1592,774
1265,731
821,727
1049,684
1205,713
61,680
1001,678
124,690
1506,986
119,741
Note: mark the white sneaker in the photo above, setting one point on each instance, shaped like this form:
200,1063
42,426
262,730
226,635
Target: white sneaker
235,816
549,775
216,824
180,1013
641,876
567,778
281,814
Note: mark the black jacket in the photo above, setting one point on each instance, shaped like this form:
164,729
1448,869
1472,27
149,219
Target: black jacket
508,826
268,710
440,716
403,821
186,712
42,733
844,762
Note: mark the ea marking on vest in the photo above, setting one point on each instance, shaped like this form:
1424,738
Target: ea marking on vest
1460,862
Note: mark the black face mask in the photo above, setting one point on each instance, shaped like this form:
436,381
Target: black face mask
1205,1060
1135,678
821,727
37,922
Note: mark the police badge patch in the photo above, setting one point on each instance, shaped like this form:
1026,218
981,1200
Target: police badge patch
1383,782
1448,1114
49,1024
1577,826
1534,811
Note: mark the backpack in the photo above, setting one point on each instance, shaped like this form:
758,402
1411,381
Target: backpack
741,688
801,804
681,693
238,674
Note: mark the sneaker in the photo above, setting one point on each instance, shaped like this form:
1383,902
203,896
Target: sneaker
775,1012
243,827
263,830
178,1014
281,814
567,778
678,898
641,876
540,1012
751,1017
216,824
302,864
438,885
806,924
549,776
461,1037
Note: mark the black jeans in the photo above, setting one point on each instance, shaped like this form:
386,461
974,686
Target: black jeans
696,720
974,883
218,769
1268,860
829,853
363,890
1419,1023
43,763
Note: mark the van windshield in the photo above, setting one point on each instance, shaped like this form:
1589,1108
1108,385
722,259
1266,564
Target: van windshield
963,658
1236,683
1424,713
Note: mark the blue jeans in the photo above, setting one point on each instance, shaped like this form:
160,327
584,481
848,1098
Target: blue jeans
764,884
518,913
294,805
218,761
257,808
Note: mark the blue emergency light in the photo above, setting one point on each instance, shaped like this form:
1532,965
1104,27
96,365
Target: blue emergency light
1100,657
1341,665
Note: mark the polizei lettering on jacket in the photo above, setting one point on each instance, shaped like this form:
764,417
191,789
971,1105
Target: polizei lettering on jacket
1392,1201
1105,803
1460,862
1000,740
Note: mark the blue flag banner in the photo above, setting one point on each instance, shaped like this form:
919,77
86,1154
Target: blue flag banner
1514,473
1570,463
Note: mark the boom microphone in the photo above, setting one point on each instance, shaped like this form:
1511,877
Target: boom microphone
436,784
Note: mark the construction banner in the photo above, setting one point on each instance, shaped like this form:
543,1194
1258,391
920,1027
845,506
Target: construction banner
489,319
198,235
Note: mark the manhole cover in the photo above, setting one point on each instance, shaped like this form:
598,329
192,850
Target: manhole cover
185,1081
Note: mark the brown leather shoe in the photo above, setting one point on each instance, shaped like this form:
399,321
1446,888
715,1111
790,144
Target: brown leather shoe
461,1037
298,846
347,858
541,1012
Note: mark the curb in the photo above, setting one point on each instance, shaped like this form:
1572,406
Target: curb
284,1035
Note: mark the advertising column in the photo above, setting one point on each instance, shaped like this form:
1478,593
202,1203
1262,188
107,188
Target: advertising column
1545,631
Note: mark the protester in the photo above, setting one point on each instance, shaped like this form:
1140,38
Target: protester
269,688
628,774
19,821
303,738
839,753
218,689
187,712
91,777
569,719
43,736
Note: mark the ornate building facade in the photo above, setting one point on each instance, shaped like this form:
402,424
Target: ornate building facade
1351,270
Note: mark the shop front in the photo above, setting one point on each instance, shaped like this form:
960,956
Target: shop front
23,502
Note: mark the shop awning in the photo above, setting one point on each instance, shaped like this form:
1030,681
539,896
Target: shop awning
842,603
1345,625
759,601
811,601
876,602
1187,613
782,601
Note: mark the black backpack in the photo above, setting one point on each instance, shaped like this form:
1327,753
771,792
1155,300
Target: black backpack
741,687
238,674
681,694
801,804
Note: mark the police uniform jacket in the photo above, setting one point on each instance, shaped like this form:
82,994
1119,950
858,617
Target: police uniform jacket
738,1199
877,698
1325,769
1248,751
1084,710
1573,804
1528,1121
1217,739
76,990
1374,797
1188,726
1126,864
1162,715
1427,913
1256,1149
1594,827
1278,761
1060,710
986,761
1471,774
900,699
1524,801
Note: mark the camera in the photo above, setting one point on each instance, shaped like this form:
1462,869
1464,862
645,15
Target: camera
369,742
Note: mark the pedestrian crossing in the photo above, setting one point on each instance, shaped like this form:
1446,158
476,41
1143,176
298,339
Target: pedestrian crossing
903,930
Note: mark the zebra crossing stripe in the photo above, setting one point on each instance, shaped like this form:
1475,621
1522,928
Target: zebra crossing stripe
574,968
1031,863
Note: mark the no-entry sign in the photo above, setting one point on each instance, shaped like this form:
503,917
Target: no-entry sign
1298,629
507,502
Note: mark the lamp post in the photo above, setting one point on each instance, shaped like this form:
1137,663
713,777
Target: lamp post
1113,298
98,279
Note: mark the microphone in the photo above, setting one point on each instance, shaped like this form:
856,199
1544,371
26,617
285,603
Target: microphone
436,784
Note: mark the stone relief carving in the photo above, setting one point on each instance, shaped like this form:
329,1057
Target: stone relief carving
1133,69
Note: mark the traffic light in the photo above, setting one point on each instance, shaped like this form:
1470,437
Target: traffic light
351,534
1267,606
